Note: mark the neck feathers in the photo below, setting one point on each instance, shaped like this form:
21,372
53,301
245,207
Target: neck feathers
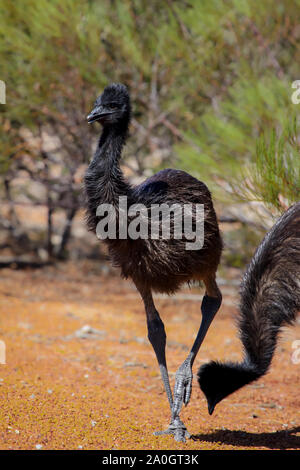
104,180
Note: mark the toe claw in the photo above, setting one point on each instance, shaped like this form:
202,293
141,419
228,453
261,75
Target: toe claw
179,436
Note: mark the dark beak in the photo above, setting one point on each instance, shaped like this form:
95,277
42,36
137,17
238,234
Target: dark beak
211,406
96,114
211,409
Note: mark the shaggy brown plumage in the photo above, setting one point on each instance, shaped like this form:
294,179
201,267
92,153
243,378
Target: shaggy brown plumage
161,265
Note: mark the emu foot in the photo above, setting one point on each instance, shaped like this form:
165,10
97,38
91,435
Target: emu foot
177,429
183,387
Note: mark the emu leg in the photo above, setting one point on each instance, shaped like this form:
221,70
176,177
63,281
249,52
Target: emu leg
184,376
157,337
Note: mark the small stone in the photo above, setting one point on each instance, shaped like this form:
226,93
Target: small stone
87,332
38,446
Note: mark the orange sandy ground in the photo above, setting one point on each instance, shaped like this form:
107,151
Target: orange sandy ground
60,392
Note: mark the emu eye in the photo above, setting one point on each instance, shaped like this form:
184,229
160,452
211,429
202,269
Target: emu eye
112,106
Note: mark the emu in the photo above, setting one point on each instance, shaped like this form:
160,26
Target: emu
270,298
154,265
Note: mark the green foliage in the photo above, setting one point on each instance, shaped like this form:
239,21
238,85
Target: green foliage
275,174
239,243
256,51
206,78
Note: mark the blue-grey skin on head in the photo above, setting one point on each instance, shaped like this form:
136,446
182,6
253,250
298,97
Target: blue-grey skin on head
112,106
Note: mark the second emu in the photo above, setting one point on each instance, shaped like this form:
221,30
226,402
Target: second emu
270,299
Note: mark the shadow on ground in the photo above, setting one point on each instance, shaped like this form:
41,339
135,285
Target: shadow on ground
285,439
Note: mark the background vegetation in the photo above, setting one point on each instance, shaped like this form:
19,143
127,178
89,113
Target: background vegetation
210,83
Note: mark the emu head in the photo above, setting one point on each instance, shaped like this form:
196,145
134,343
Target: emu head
112,107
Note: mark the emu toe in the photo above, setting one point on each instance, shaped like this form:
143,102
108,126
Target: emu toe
177,429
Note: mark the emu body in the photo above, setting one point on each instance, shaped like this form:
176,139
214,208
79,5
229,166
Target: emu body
270,298
154,265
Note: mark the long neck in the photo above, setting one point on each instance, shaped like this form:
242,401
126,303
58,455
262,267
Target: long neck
104,180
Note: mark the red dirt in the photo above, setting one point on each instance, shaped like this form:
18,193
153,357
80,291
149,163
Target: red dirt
61,392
